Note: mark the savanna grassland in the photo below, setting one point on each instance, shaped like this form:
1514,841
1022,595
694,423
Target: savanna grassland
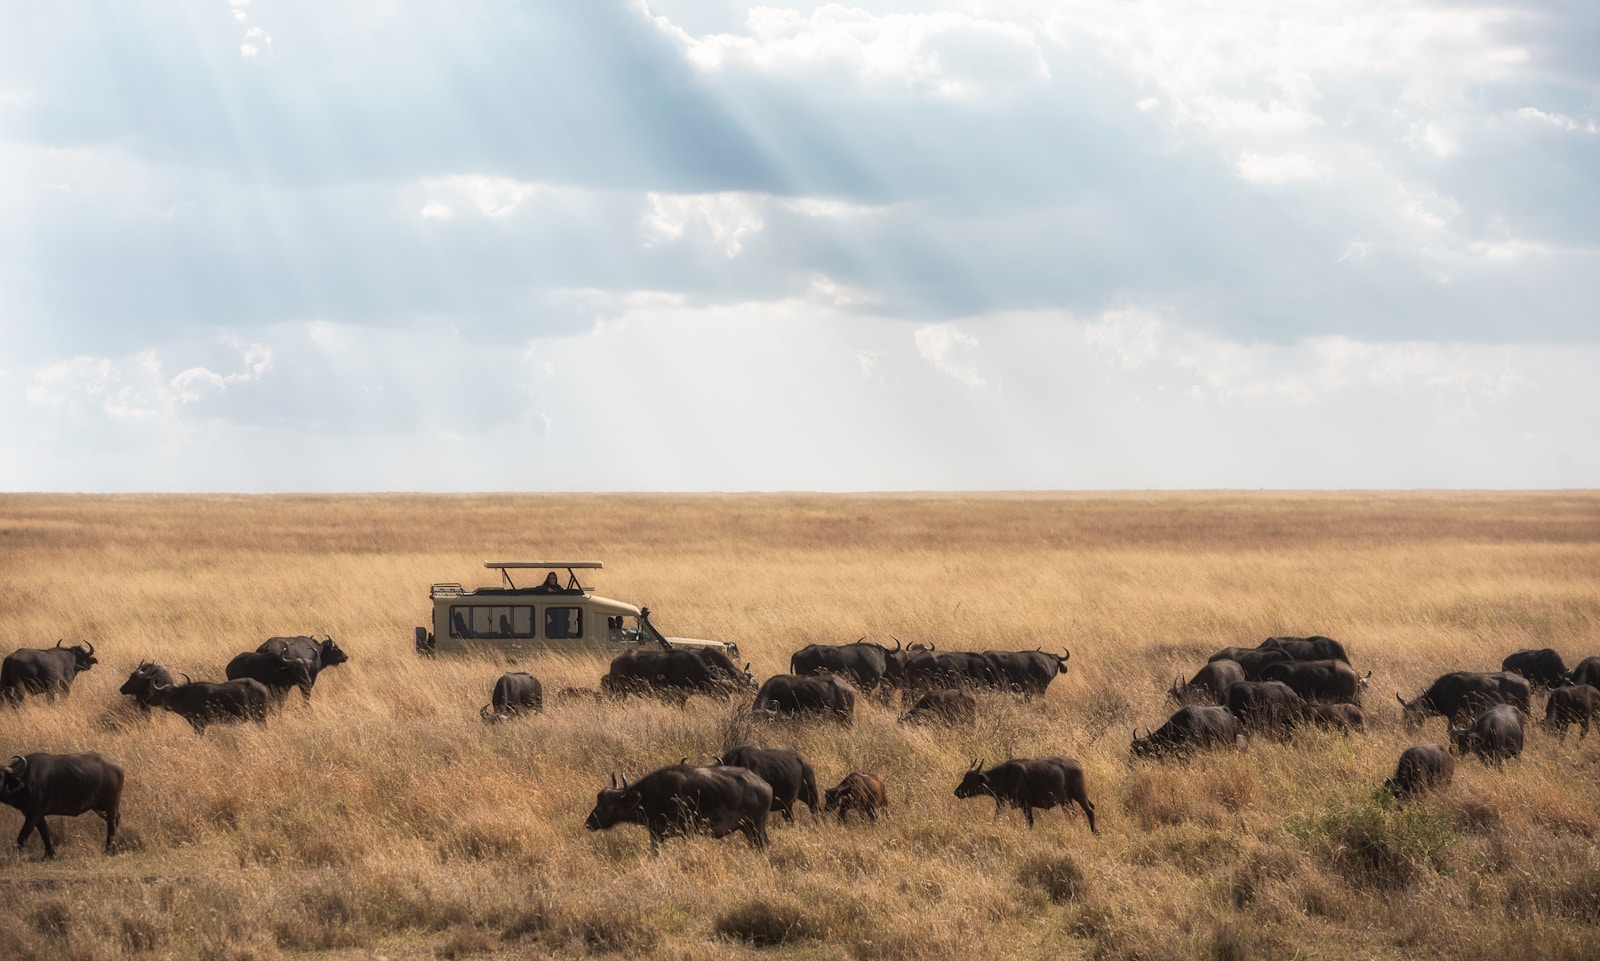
385,819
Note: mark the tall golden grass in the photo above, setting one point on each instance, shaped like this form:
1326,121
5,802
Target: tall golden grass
385,819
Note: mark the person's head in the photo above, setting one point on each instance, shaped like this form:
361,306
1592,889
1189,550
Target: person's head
550,580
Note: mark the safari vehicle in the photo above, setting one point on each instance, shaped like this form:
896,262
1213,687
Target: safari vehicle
555,615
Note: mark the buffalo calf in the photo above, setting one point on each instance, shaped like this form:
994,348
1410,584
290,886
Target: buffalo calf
1423,767
1572,704
857,792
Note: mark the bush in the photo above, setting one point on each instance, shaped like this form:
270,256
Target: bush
1376,841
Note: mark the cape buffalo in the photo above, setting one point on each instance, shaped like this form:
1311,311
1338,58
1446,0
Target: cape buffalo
207,702
942,707
857,792
1030,783
870,667
1343,718
1423,767
675,674
318,655
143,678
1261,705
41,785
1251,659
786,694
1313,648
1192,727
278,671
515,692
930,670
1028,673
682,798
1319,680
1465,692
1572,704
1208,683
1495,735
1542,667
48,671
788,774
1587,672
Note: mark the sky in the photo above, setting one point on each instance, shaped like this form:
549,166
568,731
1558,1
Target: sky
700,245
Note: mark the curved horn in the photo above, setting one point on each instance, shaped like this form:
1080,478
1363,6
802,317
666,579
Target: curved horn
186,678
91,648
486,712
59,640
1400,699
18,765
1136,732
1066,655
861,638
896,641
624,782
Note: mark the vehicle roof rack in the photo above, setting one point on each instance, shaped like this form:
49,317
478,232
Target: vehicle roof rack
524,565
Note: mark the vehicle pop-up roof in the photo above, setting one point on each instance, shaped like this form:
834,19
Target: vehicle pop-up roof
571,567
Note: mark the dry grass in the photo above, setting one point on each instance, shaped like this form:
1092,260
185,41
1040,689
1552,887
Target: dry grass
387,820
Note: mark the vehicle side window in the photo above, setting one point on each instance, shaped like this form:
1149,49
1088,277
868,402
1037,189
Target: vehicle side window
563,622
491,622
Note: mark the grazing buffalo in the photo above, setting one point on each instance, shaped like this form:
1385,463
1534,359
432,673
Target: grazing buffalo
1251,659
1343,718
1494,736
1261,705
682,798
1028,673
857,792
1587,672
1423,767
870,667
942,707
1196,726
1572,704
1313,648
932,670
1542,667
319,654
1208,683
143,678
48,671
1319,680
1029,783
515,692
788,774
41,785
789,695
675,674
277,671
1465,692
208,702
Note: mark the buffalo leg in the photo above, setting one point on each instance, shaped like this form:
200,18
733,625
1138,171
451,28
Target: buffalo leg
1088,810
28,824
113,818
44,835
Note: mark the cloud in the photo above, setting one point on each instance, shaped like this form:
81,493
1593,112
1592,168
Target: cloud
728,219
1278,169
948,349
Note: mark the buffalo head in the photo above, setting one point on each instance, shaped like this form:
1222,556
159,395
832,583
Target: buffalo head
973,783
618,804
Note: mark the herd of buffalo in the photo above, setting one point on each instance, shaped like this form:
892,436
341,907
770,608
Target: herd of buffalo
1269,690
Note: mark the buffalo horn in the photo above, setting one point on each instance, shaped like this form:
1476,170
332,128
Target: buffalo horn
91,648
896,641
624,782
59,640
1136,732
486,712
613,780
861,638
186,678
1066,655
18,765
1400,699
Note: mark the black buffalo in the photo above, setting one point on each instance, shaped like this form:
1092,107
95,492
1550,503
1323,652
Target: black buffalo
1261,705
278,671
1587,672
1313,648
1495,735
1328,680
930,670
1195,726
1029,673
515,692
209,702
789,695
1343,718
48,671
870,667
143,678
318,654
1422,767
943,707
788,774
1466,693
1251,659
1542,667
674,674
1208,683
1572,704
41,785
1029,783
858,791
682,798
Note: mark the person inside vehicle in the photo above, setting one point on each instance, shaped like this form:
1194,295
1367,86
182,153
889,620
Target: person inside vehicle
551,585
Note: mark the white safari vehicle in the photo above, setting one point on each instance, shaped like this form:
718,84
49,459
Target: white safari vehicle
554,614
